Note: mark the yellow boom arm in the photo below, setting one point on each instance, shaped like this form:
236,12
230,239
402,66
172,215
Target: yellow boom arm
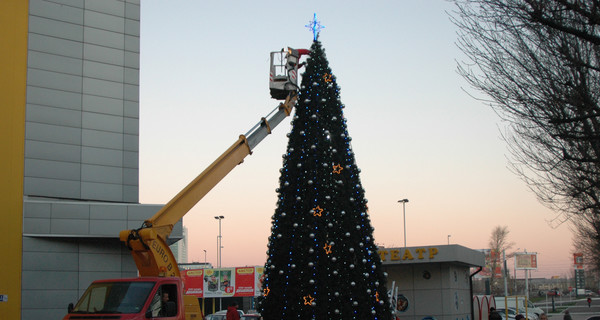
148,244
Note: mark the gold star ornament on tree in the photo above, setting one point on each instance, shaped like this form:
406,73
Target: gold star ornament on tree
337,169
317,212
308,300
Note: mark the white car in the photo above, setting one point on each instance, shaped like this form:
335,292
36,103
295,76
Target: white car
512,313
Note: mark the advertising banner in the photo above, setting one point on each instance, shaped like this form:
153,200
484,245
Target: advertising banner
492,261
193,282
258,280
224,282
526,261
578,260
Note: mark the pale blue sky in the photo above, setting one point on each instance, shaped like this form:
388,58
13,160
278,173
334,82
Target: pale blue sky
416,133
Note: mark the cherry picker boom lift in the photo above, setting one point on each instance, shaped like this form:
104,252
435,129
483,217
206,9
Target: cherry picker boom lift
144,297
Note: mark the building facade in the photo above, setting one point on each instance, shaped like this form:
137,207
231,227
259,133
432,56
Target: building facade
73,102
431,282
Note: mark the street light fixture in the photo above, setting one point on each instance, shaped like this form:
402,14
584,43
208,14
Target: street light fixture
404,201
449,239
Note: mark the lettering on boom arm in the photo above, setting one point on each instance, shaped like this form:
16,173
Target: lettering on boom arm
161,252
395,254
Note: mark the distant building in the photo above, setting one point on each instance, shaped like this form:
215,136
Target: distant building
180,248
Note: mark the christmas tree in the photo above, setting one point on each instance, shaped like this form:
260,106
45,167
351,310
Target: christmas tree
322,260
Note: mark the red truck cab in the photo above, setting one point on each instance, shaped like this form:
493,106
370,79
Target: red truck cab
136,299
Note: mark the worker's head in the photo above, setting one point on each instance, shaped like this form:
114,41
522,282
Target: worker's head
165,297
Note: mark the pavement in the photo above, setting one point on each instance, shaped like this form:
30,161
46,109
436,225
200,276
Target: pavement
580,311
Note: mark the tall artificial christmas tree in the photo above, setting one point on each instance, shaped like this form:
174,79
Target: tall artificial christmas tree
322,260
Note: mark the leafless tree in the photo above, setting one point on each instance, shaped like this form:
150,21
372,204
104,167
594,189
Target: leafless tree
498,244
538,61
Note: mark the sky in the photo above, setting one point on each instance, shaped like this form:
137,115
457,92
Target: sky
417,132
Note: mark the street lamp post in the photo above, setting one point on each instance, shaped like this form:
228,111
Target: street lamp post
219,241
219,246
205,258
449,239
404,201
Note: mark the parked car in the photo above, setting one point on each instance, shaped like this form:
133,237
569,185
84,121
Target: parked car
251,316
512,313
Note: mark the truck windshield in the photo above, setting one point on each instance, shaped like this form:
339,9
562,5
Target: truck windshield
114,297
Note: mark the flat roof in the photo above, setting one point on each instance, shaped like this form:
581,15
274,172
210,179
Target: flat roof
453,253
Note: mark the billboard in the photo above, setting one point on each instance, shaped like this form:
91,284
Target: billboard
224,282
578,260
493,260
526,261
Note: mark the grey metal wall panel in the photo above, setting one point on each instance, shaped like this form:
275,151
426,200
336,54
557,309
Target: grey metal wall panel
38,280
132,76
53,115
49,245
107,227
72,3
132,27
101,174
57,312
100,262
36,225
53,98
108,212
52,151
131,159
56,63
132,43
63,47
56,11
132,11
131,126
50,261
131,142
131,109
58,29
103,105
101,139
103,54
131,193
102,191
131,92
132,59
104,38
103,71
45,299
113,7
104,21
130,177
52,133
102,122
37,209
141,212
100,156
70,227
71,210
53,80
51,187
103,88
52,169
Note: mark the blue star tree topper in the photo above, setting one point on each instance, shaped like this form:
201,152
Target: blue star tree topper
315,26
